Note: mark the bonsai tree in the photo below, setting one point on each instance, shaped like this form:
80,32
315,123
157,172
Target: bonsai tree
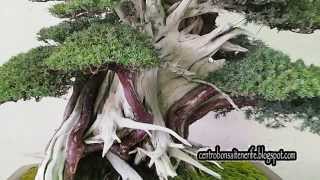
142,71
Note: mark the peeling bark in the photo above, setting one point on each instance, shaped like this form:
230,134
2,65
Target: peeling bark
116,110
196,104
219,104
180,112
73,100
69,108
75,144
127,79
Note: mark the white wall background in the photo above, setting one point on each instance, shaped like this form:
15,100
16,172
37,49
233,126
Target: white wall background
26,126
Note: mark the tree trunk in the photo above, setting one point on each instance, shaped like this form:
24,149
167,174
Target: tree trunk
121,110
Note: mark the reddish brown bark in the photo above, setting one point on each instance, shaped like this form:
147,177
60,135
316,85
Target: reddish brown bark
69,107
73,100
98,147
127,80
196,104
179,112
219,104
75,144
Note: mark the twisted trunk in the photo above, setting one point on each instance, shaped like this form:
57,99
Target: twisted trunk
75,144
119,110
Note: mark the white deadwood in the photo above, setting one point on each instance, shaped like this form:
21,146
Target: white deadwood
184,54
51,168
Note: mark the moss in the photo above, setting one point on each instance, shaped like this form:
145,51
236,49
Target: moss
30,174
231,171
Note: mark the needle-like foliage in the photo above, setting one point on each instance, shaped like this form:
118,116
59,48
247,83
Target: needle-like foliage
26,75
76,7
284,89
298,15
269,74
101,44
60,32
124,107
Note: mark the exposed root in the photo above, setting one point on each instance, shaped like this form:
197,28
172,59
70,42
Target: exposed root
75,145
52,166
110,120
72,101
163,164
69,108
127,111
66,144
103,92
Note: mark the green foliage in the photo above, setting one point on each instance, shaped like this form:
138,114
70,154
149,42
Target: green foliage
284,90
26,75
282,112
60,32
297,15
231,171
101,44
75,7
303,15
269,74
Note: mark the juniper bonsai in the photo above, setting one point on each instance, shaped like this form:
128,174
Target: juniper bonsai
142,71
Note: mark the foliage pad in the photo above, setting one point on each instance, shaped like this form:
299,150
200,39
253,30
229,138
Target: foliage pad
280,112
269,74
284,90
297,15
101,44
60,32
75,7
26,75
